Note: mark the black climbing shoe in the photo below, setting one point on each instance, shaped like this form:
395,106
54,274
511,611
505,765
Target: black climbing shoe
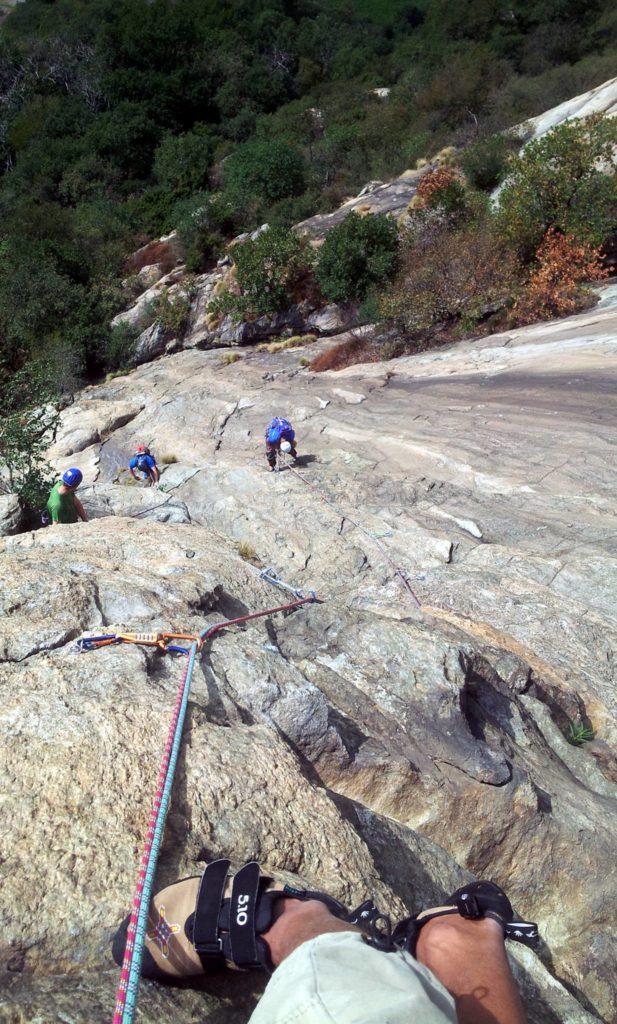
473,901
208,922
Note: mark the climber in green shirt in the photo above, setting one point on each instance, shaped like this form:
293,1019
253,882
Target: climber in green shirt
63,504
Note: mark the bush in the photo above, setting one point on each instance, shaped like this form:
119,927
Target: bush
270,272
29,418
346,353
442,189
120,347
485,163
358,254
565,180
451,278
182,162
172,312
202,223
554,287
260,173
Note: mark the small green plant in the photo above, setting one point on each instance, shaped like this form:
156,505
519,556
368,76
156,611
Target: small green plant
358,254
304,361
230,358
168,460
579,734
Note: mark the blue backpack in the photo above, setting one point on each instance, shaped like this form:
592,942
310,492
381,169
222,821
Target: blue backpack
143,463
279,428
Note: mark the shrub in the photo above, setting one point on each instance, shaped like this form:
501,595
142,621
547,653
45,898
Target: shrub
358,254
554,287
442,189
264,172
346,353
485,163
172,312
181,162
565,180
451,277
120,347
202,223
270,272
29,418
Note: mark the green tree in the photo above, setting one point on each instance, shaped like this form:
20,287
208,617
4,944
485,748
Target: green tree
29,418
358,254
182,162
263,172
565,180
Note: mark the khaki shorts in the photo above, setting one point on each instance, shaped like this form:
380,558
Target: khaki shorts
338,979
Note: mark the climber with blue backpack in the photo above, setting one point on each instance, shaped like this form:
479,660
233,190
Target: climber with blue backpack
144,462
280,437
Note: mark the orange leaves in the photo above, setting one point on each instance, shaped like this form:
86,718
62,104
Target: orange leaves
555,286
435,184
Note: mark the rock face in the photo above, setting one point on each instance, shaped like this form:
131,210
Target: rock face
10,514
601,100
364,744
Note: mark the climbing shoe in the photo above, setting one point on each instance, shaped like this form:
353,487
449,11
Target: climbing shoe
473,901
208,922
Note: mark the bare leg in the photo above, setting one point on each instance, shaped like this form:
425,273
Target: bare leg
468,957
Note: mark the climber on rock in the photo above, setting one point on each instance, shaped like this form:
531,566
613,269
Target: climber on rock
144,462
446,965
63,505
280,437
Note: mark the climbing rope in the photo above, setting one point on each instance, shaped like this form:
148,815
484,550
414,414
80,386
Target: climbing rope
128,986
368,533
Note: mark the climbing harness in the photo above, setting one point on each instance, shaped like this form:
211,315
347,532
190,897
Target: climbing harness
402,576
126,995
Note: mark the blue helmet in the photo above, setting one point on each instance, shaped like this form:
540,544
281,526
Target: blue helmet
72,477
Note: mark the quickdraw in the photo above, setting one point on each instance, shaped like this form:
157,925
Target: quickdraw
128,986
160,640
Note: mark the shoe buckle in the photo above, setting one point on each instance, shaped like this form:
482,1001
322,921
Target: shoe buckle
468,906
214,948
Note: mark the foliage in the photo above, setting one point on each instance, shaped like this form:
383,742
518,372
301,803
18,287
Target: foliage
345,353
565,180
260,173
554,287
171,311
357,254
442,188
120,347
182,162
270,271
29,418
579,734
114,112
451,277
485,162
